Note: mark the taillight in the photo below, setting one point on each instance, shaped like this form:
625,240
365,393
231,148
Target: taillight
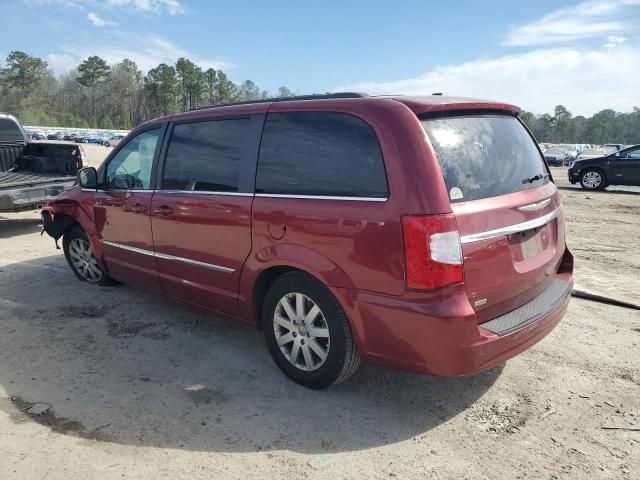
432,251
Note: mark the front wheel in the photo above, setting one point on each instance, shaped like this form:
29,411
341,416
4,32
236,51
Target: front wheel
79,255
106,144
593,180
308,333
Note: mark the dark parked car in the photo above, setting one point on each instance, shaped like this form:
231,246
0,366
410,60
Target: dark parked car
346,227
618,168
557,157
55,136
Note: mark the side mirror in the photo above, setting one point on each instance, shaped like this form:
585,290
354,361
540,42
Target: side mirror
617,154
88,178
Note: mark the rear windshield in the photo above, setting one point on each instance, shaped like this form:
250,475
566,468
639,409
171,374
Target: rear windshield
9,131
485,156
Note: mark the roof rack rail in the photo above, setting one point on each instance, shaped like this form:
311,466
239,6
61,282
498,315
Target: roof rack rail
287,99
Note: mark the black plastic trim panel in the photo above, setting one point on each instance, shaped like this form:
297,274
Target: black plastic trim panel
531,311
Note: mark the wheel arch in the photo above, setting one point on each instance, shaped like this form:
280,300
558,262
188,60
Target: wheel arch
60,216
263,268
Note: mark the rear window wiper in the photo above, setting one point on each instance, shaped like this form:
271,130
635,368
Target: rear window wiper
535,178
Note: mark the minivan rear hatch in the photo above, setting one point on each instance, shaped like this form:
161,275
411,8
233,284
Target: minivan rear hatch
506,208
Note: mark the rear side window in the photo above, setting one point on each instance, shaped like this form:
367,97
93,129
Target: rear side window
325,154
485,156
205,156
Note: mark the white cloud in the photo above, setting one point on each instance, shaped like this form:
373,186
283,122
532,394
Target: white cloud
172,7
596,18
614,41
99,21
153,50
584,80
61,62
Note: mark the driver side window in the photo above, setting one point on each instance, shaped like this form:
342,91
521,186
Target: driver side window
130,169
633,154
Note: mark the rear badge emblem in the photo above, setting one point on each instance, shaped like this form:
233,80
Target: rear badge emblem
479,303
455,193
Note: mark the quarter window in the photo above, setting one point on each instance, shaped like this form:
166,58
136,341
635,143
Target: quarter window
205,156
130,169
315,153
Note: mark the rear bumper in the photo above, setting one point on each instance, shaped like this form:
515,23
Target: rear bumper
440,335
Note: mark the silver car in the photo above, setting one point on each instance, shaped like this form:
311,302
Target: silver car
113,141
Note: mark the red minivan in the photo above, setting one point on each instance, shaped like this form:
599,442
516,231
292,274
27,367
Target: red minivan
420,233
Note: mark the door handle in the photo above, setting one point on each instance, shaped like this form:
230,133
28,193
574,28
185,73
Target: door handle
139,208
163,210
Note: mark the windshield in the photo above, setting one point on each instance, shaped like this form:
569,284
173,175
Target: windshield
485,156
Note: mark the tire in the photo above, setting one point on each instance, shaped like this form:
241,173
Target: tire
333,334
106,144
77,251
593,179
86,141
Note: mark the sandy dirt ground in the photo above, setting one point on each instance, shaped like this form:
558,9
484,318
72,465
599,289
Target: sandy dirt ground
113,382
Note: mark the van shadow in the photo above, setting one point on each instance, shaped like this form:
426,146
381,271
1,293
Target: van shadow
125,366
13,227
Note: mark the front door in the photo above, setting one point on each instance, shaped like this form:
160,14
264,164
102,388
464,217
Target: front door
201,213
626,168
122,212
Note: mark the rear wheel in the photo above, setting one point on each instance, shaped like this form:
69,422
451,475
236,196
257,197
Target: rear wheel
77,251
107,144
593,179
308,333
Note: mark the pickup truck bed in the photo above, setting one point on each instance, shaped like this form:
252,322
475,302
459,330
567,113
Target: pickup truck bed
31,173
28,179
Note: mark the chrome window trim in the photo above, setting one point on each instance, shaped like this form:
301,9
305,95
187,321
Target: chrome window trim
323,197
246,194
511,229
118,191
198,192
164,256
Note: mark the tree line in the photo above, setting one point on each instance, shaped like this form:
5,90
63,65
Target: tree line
98,95
606,126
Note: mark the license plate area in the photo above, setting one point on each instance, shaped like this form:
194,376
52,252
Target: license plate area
529,243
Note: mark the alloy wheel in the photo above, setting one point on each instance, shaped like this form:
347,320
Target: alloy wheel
301,331
83,260
592,179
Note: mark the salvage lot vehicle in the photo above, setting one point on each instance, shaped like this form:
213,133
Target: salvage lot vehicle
310,214
618,168
113,140
32,173
557,157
